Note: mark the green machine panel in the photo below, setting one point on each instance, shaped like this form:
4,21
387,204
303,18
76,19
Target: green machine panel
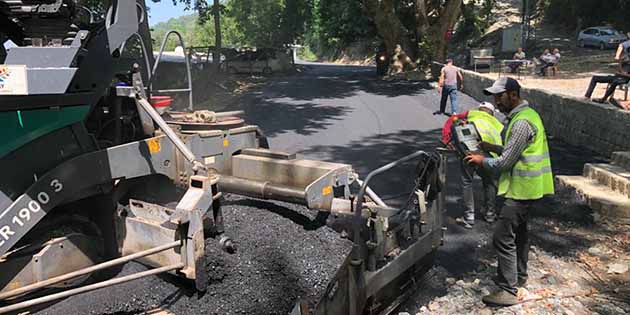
20,127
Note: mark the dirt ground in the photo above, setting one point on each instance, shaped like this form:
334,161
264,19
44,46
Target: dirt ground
577,65
564,83
576,266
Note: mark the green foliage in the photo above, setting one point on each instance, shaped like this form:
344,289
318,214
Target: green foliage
195,33
269,23
307,54
334,24
475,21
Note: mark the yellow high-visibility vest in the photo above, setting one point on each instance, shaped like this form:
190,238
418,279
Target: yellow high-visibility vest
531,177
488,127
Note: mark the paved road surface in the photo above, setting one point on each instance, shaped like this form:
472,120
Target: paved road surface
345,114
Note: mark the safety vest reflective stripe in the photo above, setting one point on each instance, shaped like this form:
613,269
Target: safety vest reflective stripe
486,125
534,158
490,132
536,173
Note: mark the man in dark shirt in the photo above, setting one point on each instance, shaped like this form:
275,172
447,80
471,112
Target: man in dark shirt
621,77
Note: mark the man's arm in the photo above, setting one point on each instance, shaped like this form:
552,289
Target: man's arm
441,81
489,147
520,136
619,52
461,79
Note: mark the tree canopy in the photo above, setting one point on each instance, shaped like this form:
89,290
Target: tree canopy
421,27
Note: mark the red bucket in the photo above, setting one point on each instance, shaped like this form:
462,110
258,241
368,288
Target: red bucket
161,103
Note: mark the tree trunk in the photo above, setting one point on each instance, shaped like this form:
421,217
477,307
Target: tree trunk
389,26
216,59
449,15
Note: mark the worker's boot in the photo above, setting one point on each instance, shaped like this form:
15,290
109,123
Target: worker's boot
490,217
466,223
501,298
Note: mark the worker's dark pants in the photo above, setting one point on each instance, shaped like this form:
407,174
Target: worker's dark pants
512,243
612,80
449,91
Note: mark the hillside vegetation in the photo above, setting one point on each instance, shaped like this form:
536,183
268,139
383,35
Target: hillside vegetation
329,27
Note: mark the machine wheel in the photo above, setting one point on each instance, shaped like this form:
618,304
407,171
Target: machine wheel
267,71
580,43
57,247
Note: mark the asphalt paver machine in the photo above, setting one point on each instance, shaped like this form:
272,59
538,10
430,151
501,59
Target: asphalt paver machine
93,176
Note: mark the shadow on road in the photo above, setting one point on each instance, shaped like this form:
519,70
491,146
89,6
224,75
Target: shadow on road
297,102
370,153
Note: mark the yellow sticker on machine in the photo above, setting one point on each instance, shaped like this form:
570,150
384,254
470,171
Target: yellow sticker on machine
154,146
327,190
226,142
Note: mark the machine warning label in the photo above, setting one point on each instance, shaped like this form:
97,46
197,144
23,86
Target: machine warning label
154,145
13,80
327,190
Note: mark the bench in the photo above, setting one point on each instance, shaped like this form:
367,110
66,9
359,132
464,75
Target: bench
481,57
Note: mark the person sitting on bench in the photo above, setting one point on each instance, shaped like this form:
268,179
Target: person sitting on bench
518,55
549,60
620,78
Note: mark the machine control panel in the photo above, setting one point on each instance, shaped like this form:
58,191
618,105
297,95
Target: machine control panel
466,138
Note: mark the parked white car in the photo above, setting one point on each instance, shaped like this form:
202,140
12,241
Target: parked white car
602,37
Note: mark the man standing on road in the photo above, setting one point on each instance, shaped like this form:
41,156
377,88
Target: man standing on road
526,177
447,86
489,129
621,77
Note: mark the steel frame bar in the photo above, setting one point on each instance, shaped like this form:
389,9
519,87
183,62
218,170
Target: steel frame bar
88,288
84,271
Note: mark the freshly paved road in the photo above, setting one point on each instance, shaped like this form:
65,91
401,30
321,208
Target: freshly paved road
346,114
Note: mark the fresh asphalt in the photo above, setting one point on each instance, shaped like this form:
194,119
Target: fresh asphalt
346,114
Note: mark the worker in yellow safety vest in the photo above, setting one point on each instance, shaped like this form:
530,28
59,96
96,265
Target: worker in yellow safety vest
526,177
489,129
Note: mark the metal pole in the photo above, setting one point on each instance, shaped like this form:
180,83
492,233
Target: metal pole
188,74
373,195
524,24
92,287
168,131
78,273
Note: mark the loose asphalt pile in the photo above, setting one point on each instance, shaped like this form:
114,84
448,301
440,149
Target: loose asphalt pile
282,258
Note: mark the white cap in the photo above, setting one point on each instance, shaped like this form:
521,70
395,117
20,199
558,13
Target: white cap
488,106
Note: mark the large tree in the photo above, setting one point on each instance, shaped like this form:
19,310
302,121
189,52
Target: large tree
419,26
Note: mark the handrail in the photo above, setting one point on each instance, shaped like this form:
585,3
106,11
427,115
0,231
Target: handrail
186,56
144,52
358,206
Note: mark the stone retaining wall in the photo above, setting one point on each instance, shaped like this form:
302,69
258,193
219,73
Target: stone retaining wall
599,127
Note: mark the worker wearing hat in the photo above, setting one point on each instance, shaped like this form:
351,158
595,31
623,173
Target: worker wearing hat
526,177
489,129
